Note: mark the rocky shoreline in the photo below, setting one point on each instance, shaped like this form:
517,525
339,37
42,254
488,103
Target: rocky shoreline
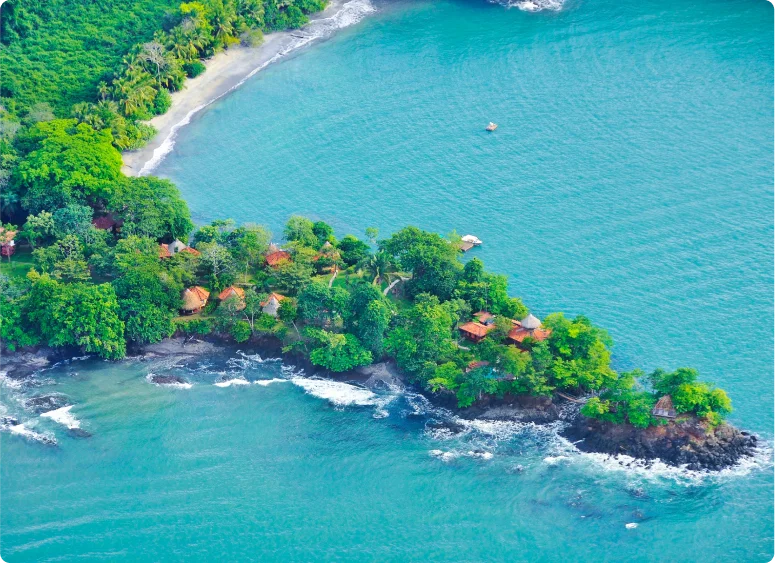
688,442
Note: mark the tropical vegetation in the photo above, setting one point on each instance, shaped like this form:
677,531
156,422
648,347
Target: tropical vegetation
94,270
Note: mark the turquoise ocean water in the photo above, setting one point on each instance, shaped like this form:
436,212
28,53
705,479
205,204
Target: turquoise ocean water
630,179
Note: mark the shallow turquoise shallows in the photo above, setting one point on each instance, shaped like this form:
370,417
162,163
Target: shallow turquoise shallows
630,179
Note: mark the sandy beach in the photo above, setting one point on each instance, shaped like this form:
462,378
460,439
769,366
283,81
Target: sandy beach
229,69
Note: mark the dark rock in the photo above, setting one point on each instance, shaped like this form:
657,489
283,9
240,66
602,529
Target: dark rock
688,441
79,433
448,425
45,403
167,379
8,421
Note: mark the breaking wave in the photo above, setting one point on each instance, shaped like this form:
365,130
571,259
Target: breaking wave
29,434
230,382
64,417
535,5
336,392
267,382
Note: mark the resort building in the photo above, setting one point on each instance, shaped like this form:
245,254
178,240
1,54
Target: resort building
664,407
194,299
271,304
529,327
7,242
233,292
475,331
176,246
278,257
485,317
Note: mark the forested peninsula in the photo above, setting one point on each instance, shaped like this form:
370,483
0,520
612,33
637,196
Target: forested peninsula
96,261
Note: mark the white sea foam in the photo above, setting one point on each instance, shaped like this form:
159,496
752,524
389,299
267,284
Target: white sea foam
480,455
656,470
10,383
554,459
230,382
23,431
64,417
349,14
336,392
631,525
535,5
444,456
267,382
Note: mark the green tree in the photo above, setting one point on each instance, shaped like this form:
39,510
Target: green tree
581,354
72,220
250,243
37,228
148,296
423,334
75,314
432,260
293,276
65,163
353,250
337,352
150,207
300,229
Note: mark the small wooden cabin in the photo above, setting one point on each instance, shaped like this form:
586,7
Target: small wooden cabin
664,407
529,327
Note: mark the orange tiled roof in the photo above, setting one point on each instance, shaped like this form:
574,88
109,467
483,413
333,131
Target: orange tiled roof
231,290
275,258
484,316
477,364
519,333
269,298
476,329
190,250
200,292
164,251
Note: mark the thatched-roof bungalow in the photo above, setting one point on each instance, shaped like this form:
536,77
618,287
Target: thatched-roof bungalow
529,327
664,407
194,299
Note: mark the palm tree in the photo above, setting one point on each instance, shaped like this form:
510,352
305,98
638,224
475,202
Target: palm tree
380,265
103,90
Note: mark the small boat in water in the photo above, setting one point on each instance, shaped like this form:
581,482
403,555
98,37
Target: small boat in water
492,126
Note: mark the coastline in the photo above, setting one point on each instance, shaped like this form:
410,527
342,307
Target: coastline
685,445
228,70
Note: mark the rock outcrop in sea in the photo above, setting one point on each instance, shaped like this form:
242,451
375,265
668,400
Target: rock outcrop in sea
688,441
